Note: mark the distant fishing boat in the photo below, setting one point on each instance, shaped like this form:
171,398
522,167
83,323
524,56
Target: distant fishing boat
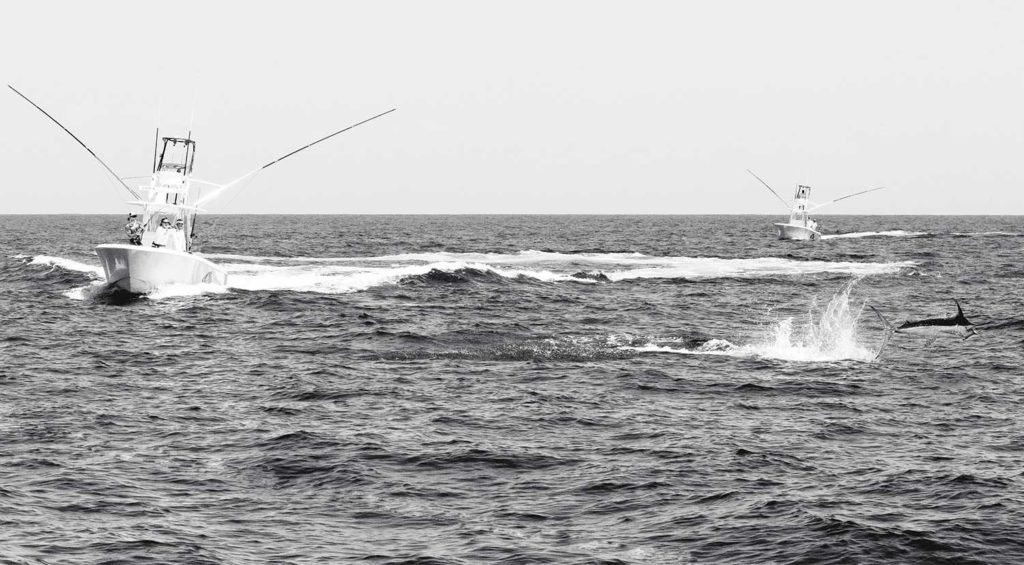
800,226
159,252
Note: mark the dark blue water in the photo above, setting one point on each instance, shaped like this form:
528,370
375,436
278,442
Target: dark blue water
515,389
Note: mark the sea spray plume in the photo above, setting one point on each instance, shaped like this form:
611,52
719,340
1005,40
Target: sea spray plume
829,336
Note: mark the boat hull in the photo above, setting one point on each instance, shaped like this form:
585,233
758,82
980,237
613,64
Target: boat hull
791,231
139,269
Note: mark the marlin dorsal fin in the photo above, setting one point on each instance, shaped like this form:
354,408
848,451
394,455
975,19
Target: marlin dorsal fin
960,314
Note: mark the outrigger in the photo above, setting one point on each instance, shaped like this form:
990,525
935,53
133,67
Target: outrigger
800,226
169,205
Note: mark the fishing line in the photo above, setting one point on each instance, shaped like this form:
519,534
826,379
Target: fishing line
214,222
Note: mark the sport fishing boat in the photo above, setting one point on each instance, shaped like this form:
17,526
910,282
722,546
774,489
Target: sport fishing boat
159,252
162,256
800,226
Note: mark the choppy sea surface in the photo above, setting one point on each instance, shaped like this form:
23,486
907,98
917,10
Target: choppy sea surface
516,389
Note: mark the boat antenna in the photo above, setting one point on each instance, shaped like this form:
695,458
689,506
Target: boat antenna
192,116
784,203
156,148
279,159
109,170
847,196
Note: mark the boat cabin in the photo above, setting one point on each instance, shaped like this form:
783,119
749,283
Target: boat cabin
167,197
800,201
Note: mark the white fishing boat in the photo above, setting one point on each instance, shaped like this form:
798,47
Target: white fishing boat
159,252
800,226
162,255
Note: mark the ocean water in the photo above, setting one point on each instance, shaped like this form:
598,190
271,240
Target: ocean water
515,389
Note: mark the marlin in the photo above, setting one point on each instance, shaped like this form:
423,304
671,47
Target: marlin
957,325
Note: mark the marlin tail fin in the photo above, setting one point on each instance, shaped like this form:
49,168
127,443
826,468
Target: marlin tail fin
890,330
888,325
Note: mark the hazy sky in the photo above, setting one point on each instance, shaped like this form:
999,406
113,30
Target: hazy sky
524,107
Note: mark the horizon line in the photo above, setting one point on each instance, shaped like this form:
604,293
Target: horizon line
653,214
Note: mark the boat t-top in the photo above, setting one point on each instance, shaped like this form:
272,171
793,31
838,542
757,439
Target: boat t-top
800,226
159,249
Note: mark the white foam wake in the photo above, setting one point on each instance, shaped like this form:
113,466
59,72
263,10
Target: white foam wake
67,265
711,268
338,279
347,274
518,258
890,233
352,274
988,234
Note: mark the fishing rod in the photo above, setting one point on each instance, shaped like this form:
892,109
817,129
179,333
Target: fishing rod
784,203
845,197
109,170
279,159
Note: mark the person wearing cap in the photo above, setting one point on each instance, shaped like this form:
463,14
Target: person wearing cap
163,233
134,230
177,241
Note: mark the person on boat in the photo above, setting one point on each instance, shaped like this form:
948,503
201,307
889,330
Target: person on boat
177,242
163,233
134,230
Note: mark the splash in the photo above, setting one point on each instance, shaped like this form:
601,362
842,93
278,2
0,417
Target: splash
826,336
87,292
185,290
829,336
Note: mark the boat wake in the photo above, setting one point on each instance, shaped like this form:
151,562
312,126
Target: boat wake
890,233
353,274
65,264
988,234
903,233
